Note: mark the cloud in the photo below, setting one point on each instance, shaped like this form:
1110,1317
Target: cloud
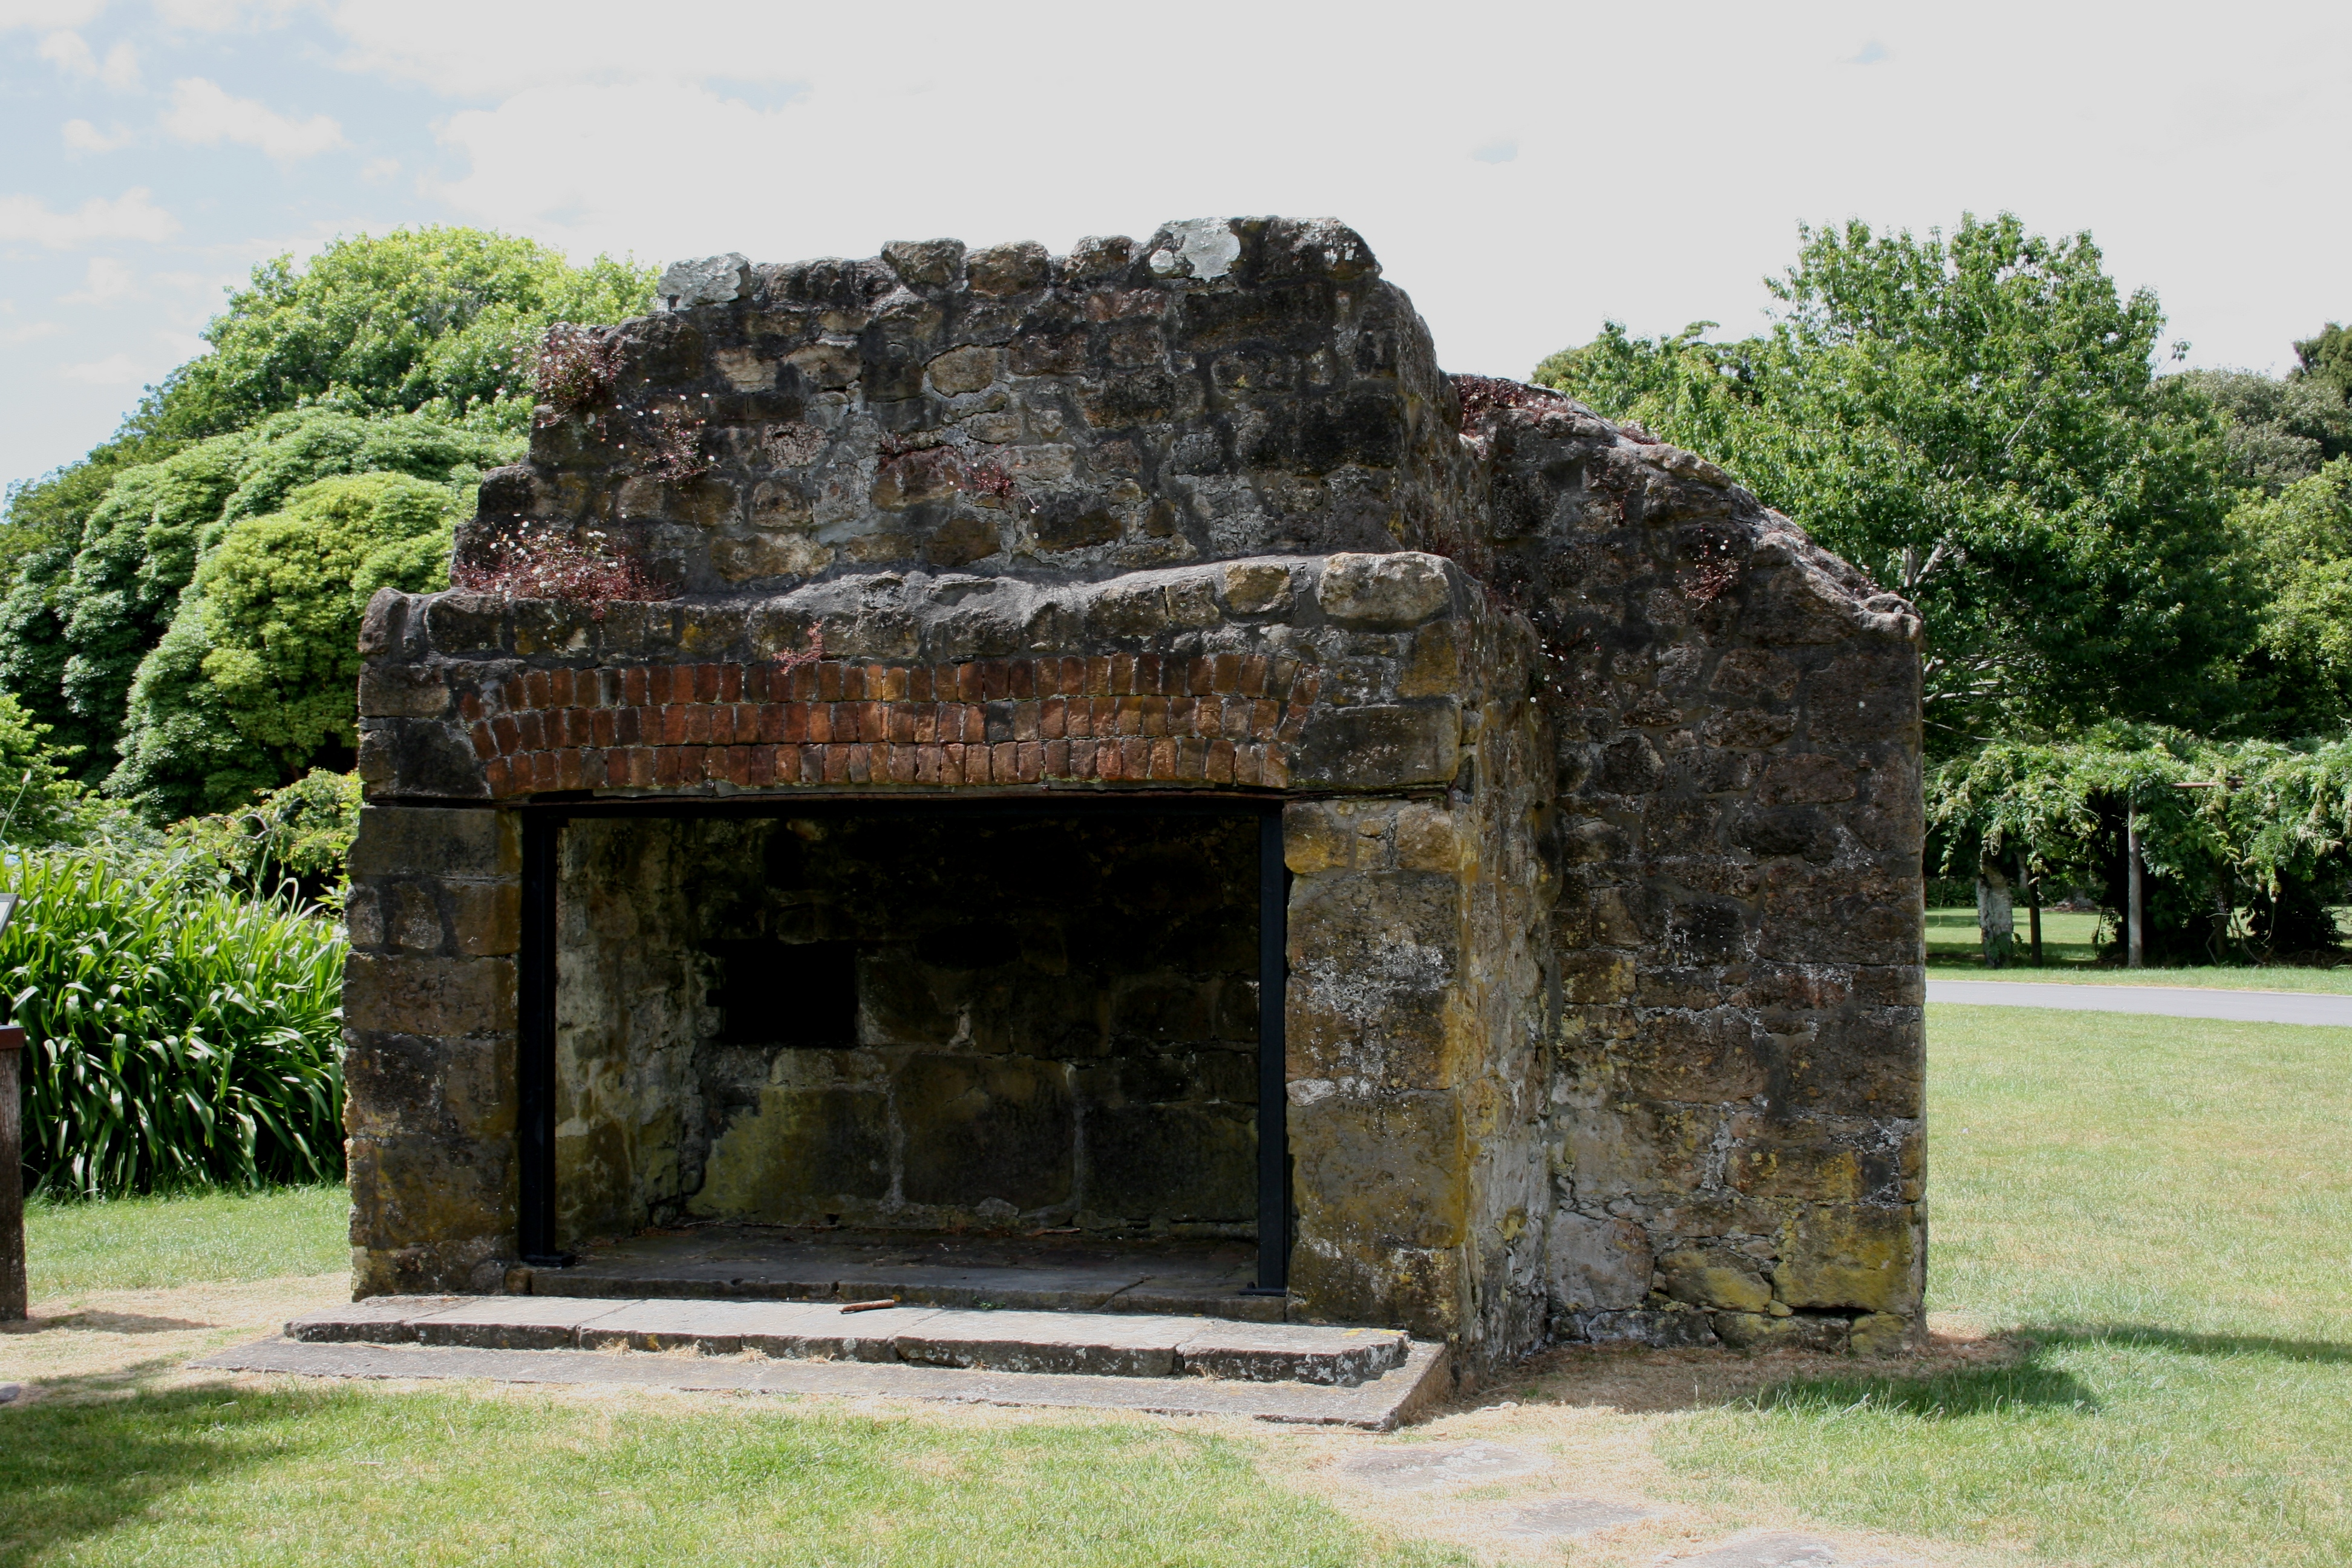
47,14
220,16
1870,54
379,169
30,330
202,113
1499,150
106,281
114,370
131,216
81,136
71,54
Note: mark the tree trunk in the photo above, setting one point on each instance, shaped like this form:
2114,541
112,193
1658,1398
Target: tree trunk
1995,915
2135,906
13,1294
2034,916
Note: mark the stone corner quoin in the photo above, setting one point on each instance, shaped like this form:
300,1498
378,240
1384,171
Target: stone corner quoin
1602,780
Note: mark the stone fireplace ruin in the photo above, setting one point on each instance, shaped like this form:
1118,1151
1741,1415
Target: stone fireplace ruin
1145,780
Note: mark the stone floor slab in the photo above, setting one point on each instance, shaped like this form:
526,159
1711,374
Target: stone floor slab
1171,1276
507,1322
1418,1468
1779,1549
1274,1353
1095,1344
770,1328
1379,1406
1568,1518
375,1319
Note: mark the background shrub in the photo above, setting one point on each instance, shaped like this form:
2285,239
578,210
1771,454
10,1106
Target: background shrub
178,1034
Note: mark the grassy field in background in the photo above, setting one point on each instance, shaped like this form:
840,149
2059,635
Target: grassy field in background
2069,954
143,1243
2164,1208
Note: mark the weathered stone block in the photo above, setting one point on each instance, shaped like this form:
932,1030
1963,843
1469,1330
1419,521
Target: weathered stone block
413,840
1714,1277
1384,593
414,1086
973,1127
1851,1257
424,994
1597,1265
1383,747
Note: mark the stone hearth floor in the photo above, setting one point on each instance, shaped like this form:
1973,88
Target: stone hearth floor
1042,1272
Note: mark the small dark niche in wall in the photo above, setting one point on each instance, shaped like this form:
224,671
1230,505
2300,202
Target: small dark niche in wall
771,992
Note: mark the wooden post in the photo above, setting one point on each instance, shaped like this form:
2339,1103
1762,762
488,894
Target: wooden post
15,1298
2134,909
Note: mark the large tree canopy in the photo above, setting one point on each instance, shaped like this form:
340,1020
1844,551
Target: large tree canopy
252,685
395,355
435,321
75,623
1977,420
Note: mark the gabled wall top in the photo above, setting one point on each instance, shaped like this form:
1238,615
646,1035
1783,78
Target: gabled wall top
1227,388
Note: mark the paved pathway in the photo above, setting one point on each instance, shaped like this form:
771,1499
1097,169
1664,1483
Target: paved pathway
2175,1001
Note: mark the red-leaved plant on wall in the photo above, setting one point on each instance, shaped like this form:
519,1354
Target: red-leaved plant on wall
550,563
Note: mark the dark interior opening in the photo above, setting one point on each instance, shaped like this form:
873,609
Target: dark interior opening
906,1021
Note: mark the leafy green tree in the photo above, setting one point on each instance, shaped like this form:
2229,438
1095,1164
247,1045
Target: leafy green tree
2280,429
77,623
2300,541
2326,359
1975,419
254,683
428,320
431,319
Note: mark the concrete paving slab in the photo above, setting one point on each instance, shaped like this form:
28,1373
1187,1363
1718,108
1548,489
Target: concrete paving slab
1380,1405
1418,1467
2170,1001
1278,1352
1569,1518
1779,1549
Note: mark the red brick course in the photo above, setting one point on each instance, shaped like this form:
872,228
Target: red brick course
1124,719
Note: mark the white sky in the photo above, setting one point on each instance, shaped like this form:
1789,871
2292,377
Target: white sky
1524,171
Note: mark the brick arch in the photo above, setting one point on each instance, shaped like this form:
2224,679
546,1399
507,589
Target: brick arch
1221,719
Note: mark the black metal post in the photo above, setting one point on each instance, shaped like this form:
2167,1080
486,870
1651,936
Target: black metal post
1273,1061
535,1045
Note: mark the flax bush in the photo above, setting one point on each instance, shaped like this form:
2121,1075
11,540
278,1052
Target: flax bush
178,1034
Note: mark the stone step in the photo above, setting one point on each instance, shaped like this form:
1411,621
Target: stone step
1095,1344
1397,1395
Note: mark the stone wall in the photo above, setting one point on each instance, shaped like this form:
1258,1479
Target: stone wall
1602,780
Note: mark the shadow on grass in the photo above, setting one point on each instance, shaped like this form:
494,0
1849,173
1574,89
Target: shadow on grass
1951,1395
2021,1385
2150,1337
92,1454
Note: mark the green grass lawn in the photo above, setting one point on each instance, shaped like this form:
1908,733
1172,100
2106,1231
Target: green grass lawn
2070,953
149,1243
323,1473
2164,1208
